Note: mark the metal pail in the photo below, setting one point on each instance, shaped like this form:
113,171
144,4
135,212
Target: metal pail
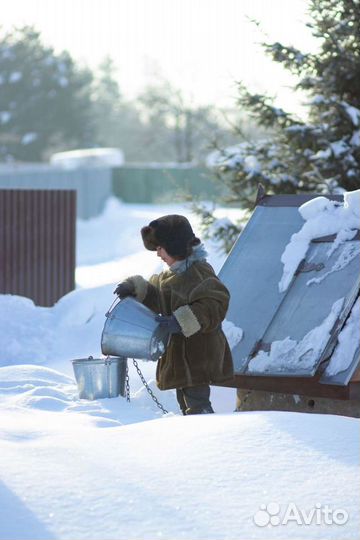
99,378
131,330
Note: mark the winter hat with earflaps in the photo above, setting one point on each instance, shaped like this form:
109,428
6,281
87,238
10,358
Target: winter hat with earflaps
173,233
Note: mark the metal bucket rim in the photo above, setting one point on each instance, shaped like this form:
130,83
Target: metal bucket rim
118,302
91,361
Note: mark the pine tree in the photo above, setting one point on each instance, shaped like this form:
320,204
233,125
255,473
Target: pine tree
45,100
321,154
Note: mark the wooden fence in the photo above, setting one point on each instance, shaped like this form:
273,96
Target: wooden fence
37,243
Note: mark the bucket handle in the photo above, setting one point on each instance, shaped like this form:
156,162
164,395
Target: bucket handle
112,306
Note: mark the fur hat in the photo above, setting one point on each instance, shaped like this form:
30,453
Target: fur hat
173,233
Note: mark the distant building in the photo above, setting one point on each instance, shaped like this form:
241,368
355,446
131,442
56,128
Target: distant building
88,157
99,173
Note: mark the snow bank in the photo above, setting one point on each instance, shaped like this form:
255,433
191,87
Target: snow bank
322,217
33,334
74,470
30,387
26,331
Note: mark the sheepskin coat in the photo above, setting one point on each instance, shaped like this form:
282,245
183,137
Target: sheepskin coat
194,294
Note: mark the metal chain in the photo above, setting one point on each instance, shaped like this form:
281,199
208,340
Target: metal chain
152,395
127,384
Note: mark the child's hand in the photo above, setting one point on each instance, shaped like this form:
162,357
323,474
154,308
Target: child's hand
125,289
170,323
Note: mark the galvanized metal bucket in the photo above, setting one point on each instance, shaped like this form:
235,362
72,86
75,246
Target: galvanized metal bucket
131,330
99,378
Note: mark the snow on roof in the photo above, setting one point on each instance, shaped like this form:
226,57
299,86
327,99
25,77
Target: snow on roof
112,157
284,355
322,217
348,343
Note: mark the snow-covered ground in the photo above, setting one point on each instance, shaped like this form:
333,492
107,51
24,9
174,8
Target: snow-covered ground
108,469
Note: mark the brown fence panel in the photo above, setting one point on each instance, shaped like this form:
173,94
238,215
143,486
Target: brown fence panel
37,243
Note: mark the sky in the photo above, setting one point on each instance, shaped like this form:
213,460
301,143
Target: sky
201,46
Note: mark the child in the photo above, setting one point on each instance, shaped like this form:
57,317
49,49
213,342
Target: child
192,302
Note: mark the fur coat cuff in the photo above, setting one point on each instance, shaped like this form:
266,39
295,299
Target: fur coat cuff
187,320
140,285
